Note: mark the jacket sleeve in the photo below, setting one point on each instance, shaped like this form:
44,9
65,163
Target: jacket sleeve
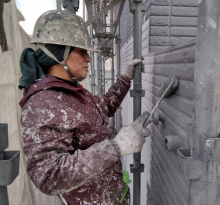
111,101
48,139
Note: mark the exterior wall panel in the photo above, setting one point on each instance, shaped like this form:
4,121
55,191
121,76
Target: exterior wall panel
157,11
193,3
166,24
184,21
127,113
168,184
126,24
185,11
170,19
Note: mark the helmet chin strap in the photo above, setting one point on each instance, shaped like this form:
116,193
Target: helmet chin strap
63,63
69,73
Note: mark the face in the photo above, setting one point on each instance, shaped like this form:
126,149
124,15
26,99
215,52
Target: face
78,63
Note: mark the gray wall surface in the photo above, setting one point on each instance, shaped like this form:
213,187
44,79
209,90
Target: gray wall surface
172,22
167,183
126,24
168,46
127,115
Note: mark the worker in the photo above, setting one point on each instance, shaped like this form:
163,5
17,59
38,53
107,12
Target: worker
72,149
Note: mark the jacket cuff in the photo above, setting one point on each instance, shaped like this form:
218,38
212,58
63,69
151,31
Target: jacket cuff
127,78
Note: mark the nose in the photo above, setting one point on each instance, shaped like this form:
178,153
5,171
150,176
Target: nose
87,58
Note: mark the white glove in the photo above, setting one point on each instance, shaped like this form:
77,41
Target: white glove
131,138
129,72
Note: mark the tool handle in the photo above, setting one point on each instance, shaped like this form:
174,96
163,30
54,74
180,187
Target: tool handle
149,118
147,121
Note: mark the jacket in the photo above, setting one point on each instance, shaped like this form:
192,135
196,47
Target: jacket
68,142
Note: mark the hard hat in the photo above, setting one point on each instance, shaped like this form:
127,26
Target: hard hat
62,28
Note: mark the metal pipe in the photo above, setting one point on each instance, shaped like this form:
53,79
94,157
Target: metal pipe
118,41
206,99
113,81
58,4
113,69
84,11
118,112
137,49
103,61
92,67
99,75
99,70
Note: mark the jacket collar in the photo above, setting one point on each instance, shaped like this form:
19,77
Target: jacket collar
49,82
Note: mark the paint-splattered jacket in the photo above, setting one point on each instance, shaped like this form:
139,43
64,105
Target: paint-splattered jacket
67,141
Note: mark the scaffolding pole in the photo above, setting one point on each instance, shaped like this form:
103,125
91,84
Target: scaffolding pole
137,93
99,62
103,66
113,81
92,67
59,4
118,112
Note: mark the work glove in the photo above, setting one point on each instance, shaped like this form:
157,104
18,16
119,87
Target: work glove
131,138
129,72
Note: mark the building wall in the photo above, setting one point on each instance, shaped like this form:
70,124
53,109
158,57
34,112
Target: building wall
127,114
126,24
168,48
172,22
167,183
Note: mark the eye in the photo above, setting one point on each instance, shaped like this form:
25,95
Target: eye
84,52
81,51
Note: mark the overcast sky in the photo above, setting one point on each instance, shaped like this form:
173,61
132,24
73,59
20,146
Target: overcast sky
32,9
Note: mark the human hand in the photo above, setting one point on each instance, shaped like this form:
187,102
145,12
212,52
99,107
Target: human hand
129,72
131,138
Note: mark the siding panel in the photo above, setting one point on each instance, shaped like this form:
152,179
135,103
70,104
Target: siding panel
184,11
176,110
166,24
175,18
170,171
